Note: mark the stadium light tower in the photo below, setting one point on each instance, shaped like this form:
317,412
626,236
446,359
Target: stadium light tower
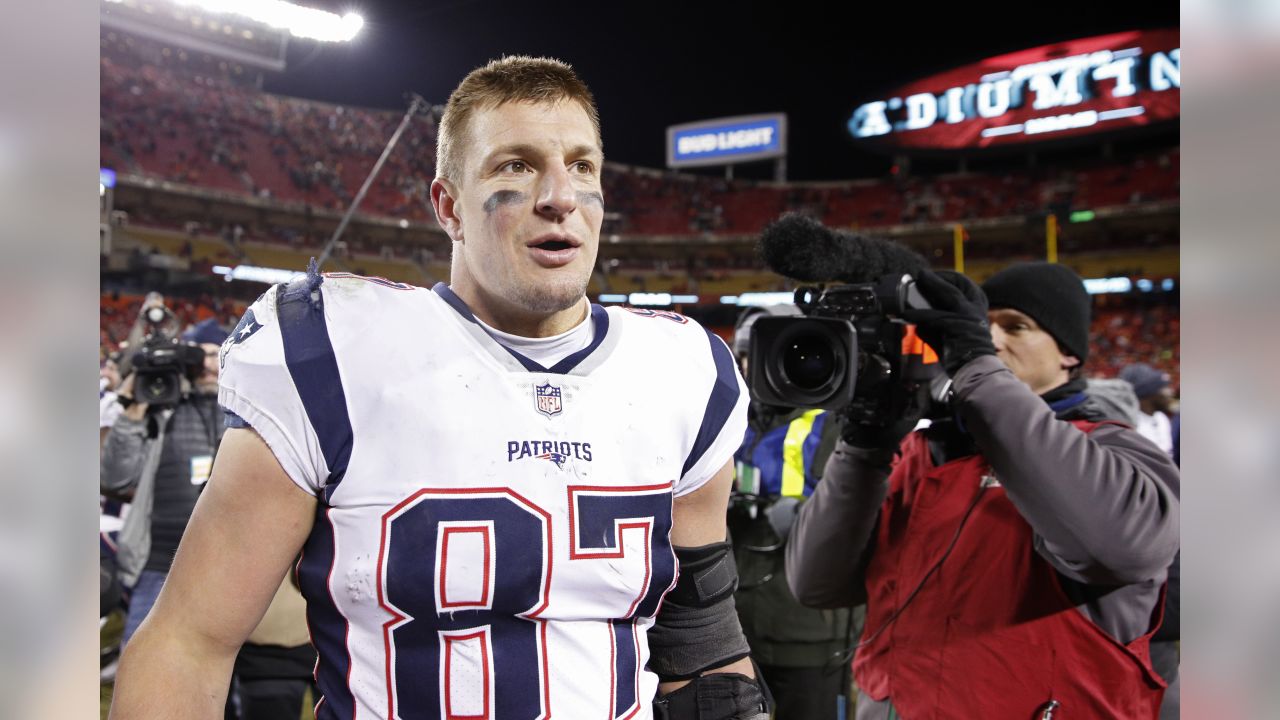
298,21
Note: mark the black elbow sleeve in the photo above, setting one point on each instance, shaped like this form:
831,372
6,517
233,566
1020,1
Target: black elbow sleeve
697,626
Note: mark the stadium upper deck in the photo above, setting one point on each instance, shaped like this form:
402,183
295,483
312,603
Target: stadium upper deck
197,127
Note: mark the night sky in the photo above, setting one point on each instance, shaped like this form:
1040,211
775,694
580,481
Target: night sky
655,64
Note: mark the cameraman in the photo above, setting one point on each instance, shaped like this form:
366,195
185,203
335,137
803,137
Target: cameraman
159,458
1012,556
781,459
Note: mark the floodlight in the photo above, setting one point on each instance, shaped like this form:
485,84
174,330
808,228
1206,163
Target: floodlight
297,20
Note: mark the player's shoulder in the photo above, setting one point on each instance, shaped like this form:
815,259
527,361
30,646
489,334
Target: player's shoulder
316,309
668,334
657,323
344,295
255,340
349,286
348,301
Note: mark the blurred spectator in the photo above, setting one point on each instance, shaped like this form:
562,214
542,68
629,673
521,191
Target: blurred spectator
1156,402
274,668
159,459
800,650
108,408
1156,417
1116,398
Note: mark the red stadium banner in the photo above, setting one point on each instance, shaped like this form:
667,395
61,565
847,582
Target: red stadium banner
1071,88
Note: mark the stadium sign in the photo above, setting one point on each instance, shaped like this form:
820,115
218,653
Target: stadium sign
727,140
1071,88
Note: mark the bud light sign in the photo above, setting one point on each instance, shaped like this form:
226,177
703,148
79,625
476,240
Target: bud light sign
727,140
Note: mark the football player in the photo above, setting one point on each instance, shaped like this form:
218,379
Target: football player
509,502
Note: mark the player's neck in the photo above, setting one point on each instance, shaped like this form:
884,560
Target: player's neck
517,321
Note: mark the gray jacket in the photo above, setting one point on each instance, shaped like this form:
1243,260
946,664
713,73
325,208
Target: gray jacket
1103,507
129,462
159,471
1117,398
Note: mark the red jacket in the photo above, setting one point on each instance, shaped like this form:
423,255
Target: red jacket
990,634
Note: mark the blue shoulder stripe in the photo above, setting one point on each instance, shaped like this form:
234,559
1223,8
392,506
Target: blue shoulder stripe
308,353
720,404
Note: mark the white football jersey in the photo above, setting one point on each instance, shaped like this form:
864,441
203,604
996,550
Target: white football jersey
492,537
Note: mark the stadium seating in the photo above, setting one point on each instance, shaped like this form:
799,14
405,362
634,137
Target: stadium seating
214,133
1147,333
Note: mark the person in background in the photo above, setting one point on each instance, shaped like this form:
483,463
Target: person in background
108,405
1155,399
1116,398
274,667
1013,556
1121,402
1160,422
159,459
799,649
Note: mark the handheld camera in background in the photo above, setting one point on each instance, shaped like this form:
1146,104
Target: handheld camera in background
163,360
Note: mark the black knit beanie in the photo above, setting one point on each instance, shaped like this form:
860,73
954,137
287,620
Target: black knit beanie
1053,295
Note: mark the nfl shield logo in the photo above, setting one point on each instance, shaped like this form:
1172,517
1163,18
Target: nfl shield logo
547,399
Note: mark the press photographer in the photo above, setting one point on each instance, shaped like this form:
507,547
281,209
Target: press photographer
1013,554
160,450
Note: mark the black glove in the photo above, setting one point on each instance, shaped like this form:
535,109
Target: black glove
904,412
718,696
956,326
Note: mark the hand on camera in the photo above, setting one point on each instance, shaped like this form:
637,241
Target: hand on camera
906,409
956,326
132,409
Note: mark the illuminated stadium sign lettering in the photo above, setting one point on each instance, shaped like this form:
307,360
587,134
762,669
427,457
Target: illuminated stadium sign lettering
727,140
750,138
1070,88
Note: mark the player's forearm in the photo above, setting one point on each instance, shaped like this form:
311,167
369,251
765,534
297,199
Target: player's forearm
163,675
741,667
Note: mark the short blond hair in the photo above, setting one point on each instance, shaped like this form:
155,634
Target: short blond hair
515,78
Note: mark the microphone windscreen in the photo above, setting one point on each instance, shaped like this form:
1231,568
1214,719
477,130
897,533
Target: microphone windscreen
801,248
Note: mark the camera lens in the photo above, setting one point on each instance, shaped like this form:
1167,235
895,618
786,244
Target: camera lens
803,362
808,362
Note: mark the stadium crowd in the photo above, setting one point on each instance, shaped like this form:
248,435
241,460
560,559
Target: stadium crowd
206,129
